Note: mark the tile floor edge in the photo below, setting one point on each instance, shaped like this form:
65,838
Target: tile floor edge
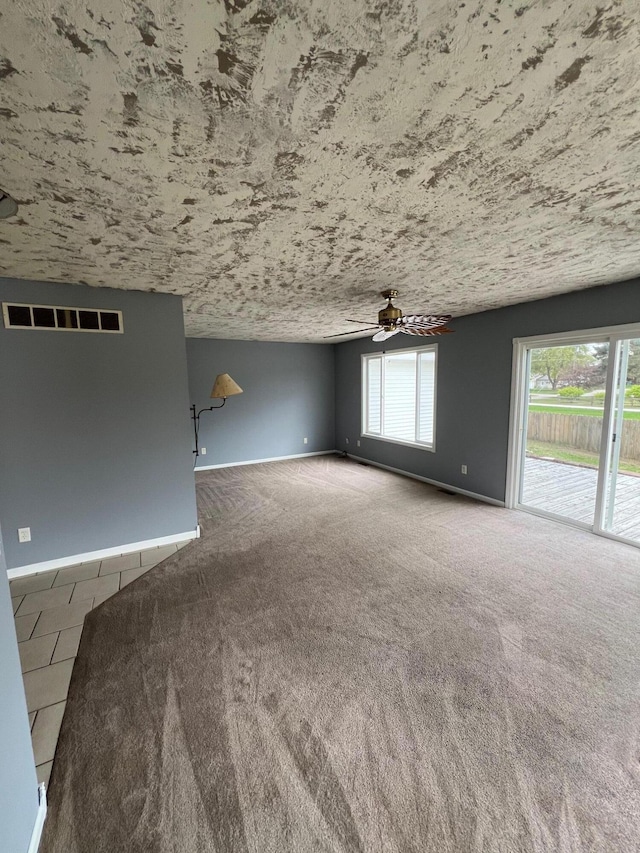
103,554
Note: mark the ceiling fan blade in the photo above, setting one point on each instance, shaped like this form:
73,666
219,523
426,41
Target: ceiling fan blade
430,321
355,332
383,335
357,321
424,332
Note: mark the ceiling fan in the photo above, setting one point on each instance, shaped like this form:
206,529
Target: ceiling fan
391,320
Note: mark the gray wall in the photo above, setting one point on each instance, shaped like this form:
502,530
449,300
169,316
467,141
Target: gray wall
288,394
474,384
18,783
95,446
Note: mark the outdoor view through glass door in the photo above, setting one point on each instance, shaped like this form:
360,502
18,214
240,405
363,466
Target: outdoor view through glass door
622,496
579,448
564,429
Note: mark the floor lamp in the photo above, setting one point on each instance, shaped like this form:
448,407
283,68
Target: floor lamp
223,387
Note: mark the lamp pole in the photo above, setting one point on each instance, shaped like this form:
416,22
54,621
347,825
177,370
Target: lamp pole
196,420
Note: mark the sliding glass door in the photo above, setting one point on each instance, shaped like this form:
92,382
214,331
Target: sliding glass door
563,429
575,431
621,503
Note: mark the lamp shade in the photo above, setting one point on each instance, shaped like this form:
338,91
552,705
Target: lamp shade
224,386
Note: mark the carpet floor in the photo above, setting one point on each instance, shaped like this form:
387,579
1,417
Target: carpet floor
353,661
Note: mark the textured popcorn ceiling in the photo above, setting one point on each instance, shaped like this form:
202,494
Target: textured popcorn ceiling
280,163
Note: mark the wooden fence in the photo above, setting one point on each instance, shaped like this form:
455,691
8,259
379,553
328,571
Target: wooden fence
582,432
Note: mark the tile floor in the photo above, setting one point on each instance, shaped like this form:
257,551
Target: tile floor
49,609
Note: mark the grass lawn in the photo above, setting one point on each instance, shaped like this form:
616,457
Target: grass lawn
572,454
578,410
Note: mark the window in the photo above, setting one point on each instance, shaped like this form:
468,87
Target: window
399,396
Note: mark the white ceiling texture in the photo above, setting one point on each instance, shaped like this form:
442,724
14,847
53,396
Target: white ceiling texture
278,163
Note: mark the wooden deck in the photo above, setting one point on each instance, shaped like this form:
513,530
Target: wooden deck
570,491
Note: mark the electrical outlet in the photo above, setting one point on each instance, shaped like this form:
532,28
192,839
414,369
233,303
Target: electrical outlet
463,468
306,441
203,451
358,442
24,534
346,441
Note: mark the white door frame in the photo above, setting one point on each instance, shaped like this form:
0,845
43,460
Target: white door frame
519,410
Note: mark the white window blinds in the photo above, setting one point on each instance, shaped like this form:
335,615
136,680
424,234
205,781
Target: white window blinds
374,372
427,396
399,396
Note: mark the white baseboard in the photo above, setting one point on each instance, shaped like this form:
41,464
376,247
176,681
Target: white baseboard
40,817
268,459
103,554
436,483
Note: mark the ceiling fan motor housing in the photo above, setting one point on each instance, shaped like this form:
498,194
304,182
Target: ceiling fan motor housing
389,315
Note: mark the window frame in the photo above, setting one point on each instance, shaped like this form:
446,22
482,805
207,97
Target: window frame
365,359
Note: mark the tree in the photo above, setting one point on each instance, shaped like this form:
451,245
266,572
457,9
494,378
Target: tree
601,353
633,368
556,362
584,375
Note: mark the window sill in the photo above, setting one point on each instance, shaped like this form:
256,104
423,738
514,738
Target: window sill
430,447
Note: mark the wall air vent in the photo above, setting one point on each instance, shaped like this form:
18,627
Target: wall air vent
20,316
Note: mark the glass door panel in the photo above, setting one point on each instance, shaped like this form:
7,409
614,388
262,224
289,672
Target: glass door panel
622,483
563,429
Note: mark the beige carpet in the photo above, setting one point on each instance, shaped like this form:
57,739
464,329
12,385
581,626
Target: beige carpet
353,661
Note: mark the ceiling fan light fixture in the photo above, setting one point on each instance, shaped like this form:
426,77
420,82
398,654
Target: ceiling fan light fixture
8,205
383,334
